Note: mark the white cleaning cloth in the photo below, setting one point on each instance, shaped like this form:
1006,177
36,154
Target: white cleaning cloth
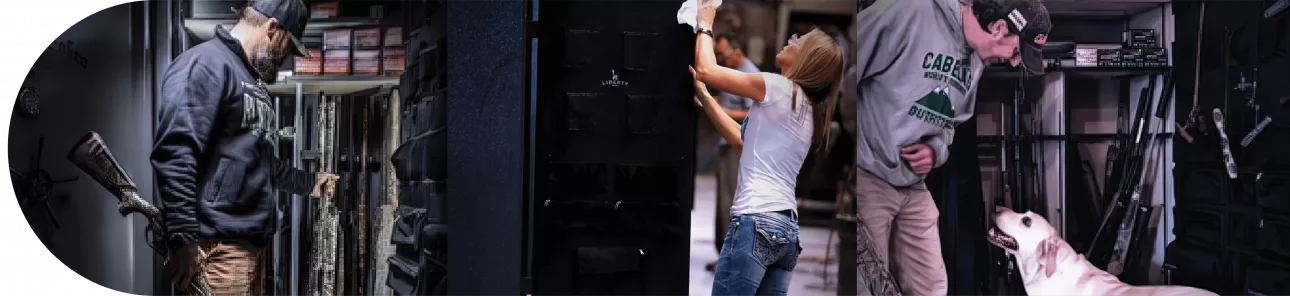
689,13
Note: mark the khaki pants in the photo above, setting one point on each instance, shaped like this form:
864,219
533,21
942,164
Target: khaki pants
727,180
231,268
903,225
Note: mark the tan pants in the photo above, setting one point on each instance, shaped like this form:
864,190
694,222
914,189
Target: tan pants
903,225
231,268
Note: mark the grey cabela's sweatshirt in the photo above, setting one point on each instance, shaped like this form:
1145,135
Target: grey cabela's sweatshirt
916,80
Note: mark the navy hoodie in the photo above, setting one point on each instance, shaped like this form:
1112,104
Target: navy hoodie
213,147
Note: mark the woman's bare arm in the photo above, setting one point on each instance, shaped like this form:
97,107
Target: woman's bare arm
749,85
726,126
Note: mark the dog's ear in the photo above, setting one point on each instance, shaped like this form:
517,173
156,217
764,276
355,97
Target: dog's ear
1046,255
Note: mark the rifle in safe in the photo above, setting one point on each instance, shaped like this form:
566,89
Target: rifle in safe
92,156
1129,180
1131,211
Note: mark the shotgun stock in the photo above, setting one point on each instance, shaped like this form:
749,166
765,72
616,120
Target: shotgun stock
92,156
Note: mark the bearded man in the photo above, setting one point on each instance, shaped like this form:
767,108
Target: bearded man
213,153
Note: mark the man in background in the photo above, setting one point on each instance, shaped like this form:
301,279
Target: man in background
729,54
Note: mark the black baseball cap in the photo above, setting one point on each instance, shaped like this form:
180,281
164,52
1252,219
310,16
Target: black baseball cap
292,15
1029,20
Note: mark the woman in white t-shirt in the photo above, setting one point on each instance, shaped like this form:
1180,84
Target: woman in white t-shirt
790,117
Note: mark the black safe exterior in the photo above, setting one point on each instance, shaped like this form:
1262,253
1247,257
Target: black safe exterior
486,146
510,147
615,142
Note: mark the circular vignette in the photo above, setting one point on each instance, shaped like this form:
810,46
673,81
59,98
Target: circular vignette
43,270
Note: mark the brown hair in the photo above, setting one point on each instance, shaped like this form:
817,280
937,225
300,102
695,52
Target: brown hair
818,70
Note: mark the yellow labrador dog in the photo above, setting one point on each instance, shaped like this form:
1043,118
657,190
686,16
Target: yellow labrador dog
1049,266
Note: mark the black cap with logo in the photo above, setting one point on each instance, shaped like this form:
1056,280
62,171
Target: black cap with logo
1029,20
292,15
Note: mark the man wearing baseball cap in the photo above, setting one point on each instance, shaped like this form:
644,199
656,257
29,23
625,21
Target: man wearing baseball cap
916,73
213,151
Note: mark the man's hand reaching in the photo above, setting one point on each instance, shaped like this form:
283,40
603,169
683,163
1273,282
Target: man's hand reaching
921,157
324,185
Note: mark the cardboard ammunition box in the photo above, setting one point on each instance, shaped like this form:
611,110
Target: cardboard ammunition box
1108,57
394,36
370,37
1086,57
367,62
312,65
336,62
392,61
1155,57
335,39
1143,45
1130,57
1139,37
325,10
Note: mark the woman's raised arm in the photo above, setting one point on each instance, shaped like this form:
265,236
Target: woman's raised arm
748,85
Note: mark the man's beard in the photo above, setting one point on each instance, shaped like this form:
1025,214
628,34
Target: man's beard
267,63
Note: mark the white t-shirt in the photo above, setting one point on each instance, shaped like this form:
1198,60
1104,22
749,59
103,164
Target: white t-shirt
776,141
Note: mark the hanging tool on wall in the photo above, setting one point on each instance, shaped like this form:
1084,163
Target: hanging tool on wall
1274,113
1250,90
1193,117
1228,161
1247,88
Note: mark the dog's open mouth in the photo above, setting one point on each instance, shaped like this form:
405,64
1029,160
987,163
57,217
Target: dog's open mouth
998,238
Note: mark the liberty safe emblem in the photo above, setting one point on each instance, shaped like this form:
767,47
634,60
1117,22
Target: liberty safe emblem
613,80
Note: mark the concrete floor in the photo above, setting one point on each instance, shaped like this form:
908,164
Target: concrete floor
808,277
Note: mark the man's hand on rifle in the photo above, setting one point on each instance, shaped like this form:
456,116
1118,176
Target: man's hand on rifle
184,264
324,185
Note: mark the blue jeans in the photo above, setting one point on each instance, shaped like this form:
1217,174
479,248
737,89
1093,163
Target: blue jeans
758,256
